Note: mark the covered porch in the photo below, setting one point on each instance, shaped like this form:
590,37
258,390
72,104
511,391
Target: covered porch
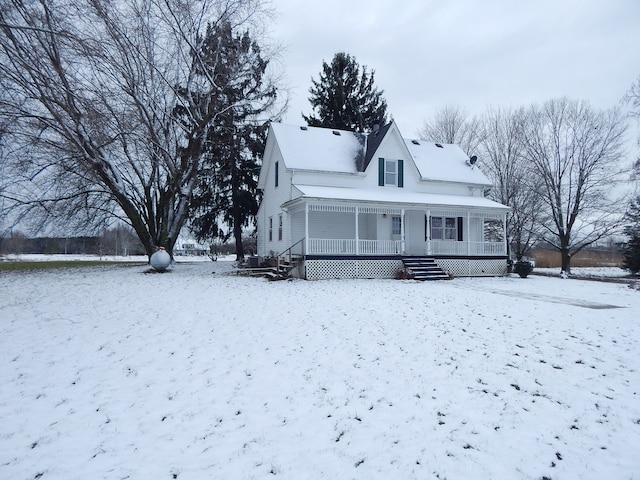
339,229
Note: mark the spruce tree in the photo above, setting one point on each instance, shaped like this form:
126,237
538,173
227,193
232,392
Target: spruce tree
345,97
226,197
631,248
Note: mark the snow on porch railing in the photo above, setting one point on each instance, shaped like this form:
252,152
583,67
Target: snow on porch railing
347,246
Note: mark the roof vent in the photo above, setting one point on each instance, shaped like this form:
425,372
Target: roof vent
336,132
439,145
303,128
415,142
472,161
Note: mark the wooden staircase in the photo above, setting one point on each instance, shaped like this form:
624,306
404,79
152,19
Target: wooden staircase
424,268
280,271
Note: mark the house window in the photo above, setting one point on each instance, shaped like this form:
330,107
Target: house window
270,229
390,172
276,172
280,227
446,228
396,226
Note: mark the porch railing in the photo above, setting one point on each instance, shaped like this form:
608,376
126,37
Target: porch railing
347,246
452,247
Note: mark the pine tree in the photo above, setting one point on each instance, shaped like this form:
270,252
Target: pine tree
345,97
631,248
226,197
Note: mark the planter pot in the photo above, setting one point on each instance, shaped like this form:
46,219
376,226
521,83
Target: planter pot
523,268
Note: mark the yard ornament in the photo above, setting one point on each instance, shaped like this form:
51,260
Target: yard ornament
160,260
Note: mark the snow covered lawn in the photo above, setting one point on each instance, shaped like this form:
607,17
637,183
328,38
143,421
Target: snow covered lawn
108,372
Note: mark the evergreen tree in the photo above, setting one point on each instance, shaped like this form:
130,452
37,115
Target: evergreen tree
226,197
631,248
345,97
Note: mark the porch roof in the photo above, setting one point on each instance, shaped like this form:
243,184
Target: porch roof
394,196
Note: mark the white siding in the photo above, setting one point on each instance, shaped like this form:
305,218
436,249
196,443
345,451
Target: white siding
332,225
273,198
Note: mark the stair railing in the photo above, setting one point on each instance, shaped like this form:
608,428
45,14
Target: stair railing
289,252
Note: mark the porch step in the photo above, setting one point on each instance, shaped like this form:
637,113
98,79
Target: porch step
280,272
424,268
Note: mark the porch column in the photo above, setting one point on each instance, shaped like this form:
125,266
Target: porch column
357,233
468,234
306,229
402,225
428,232
504,233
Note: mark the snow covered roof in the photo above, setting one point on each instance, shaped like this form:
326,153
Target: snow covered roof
321,149
328,150
444,162
398,196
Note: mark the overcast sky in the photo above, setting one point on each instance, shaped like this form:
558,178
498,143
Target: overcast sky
471,53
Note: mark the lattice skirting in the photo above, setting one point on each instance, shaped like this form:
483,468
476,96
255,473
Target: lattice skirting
387,268
323,269
473,268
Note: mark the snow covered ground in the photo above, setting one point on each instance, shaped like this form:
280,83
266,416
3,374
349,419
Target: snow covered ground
111,372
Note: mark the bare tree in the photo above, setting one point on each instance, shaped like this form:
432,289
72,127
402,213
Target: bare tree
576,152
632,98
451,124
93,90
501,153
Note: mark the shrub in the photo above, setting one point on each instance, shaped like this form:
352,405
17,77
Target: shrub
523,268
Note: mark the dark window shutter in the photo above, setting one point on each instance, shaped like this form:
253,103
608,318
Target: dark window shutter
400,173
460,229
381,172
276,172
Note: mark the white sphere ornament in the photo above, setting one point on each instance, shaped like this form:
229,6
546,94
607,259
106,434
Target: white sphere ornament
160,260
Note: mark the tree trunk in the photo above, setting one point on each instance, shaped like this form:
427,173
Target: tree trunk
565,256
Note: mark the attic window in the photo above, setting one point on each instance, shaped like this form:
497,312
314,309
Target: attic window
336,132
303,128
439,145
415,142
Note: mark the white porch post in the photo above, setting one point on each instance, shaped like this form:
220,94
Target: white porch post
428,227
402,224
504,233
468,234
357,233
306,228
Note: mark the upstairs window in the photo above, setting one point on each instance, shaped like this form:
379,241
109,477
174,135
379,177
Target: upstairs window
390,172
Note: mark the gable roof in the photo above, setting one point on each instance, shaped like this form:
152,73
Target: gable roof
374,139
341,151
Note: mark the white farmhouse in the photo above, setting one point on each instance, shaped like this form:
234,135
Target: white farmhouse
351,205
